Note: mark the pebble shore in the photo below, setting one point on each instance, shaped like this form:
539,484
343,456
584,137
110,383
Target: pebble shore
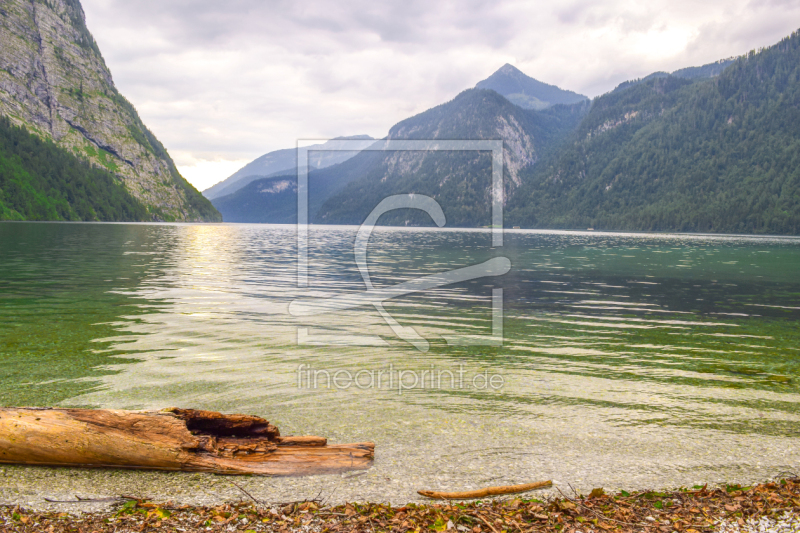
788,523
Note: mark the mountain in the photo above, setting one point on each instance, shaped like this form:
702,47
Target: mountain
346,193
672,154
459,181
55,83
282,162
527,92
705,149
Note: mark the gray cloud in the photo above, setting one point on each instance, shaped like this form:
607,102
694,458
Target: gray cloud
221,82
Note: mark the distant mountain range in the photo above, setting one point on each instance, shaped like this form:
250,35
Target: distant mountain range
711,148
508,81
282,162
274,199
345,190
345,193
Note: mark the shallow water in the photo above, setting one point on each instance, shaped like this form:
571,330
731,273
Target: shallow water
628,360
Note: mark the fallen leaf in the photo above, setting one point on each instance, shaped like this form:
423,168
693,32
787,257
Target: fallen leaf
596,493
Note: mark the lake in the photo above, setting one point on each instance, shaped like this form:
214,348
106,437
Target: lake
627,361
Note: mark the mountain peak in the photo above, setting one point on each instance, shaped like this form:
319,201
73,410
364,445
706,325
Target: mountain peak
525,91
508,68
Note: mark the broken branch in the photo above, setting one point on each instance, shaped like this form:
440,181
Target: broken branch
482,493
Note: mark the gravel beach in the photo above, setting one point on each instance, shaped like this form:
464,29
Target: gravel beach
765,508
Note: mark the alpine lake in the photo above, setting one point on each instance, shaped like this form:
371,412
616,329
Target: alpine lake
627,360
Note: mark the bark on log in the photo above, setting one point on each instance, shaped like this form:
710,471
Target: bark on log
173,439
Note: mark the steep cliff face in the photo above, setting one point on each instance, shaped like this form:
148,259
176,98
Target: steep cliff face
53,80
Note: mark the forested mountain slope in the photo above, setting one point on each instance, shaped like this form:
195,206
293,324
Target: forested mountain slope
718,155
40,181
707,149
710,70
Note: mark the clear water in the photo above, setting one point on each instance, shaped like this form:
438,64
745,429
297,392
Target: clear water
652,360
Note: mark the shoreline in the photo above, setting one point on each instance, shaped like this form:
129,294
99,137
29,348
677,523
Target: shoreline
772,506
31,486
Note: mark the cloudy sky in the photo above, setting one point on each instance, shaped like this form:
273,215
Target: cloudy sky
221,83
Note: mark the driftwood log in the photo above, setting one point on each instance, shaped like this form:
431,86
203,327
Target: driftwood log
173,439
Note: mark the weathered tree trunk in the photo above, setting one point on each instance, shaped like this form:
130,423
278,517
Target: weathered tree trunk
172,439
